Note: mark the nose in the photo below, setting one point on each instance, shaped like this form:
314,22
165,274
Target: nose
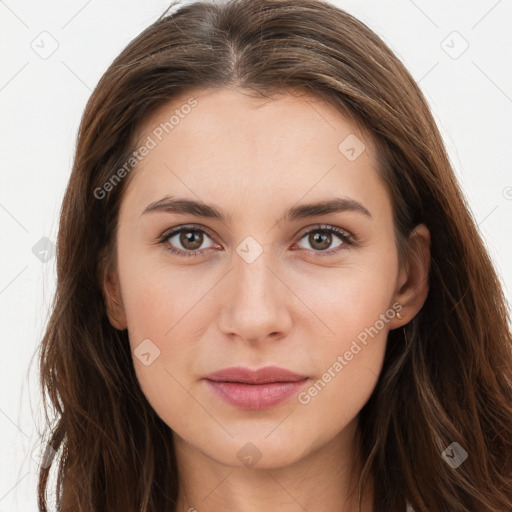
256,300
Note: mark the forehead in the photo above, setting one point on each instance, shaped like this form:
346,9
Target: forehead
228,143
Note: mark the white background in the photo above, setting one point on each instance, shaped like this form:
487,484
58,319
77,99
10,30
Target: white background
42,99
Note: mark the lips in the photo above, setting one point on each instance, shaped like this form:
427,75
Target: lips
260,376
255,389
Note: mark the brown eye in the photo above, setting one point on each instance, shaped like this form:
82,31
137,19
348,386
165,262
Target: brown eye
191,240
185,241
320,241
321,238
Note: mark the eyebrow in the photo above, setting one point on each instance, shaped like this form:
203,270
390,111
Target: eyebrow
171,204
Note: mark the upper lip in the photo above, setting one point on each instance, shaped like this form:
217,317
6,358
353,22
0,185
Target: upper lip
258,376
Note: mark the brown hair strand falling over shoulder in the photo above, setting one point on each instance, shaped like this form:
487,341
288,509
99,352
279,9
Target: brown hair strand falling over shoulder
451,383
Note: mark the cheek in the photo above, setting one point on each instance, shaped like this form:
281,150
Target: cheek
162,310
351,298
155,296
163,320
347,363
165,314
355,309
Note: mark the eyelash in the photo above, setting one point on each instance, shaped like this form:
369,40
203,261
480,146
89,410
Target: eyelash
348,240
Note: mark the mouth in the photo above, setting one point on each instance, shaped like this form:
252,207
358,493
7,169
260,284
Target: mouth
255,389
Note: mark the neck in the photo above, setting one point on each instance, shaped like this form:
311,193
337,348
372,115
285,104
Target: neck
326,480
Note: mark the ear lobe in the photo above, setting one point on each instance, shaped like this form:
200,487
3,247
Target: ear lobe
414,281
113,301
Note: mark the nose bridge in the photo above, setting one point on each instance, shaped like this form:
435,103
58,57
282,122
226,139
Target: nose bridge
253,279
256,301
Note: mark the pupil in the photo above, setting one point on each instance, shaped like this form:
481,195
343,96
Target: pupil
326,242
187,240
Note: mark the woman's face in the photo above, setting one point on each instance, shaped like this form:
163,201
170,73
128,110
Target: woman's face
254,281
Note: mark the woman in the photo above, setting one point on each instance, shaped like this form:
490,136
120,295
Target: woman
271,293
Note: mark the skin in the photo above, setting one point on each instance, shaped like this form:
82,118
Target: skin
252,159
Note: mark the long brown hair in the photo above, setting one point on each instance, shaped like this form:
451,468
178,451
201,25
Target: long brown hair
450,383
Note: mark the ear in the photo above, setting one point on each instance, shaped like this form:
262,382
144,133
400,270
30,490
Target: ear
413,279
112,295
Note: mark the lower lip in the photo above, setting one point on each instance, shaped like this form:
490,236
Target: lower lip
255,396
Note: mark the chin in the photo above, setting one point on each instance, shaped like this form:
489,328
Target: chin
257,452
